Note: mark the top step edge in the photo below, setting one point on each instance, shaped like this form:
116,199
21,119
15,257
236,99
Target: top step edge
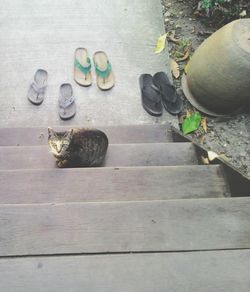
91,127
111,144
145,202
117,134
109,168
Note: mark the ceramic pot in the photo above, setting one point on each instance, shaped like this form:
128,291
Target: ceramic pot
218,74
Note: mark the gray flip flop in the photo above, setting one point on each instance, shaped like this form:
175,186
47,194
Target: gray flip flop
37,88
67,106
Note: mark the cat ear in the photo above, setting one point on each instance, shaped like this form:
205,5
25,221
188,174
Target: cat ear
50,132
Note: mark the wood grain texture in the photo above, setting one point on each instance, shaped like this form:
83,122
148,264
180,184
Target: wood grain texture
115,134
174,225
111,184
149,154
215,271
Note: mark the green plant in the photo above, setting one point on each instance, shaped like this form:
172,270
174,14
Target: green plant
208,4
184,43
222,11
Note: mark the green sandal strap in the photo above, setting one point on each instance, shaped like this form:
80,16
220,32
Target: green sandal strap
104,73
84,70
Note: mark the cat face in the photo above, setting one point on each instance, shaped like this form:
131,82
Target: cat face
59,142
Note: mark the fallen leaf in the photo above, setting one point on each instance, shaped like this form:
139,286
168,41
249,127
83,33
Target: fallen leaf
185,57
188,114
197,13
204,124
161,42
181,118
224,157
175,69
192,123
171,38
212,155
186,68
204,160
204,32
243,13
202,139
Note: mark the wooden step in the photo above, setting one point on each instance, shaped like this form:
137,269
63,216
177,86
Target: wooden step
173,225
211,271
148,154
116,134
111,184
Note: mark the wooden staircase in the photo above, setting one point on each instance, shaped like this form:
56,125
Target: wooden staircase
152,219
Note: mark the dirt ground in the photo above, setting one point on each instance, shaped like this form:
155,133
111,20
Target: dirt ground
229,137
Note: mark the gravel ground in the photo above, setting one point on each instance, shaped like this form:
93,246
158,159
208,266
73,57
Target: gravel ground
227,136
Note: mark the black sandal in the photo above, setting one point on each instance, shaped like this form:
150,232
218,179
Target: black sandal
171,101
151,97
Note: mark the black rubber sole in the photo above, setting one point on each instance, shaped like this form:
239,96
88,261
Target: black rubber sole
150,112
174,108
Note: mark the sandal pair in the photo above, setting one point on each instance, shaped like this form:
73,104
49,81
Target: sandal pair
36,94
82,69
83,76
156,92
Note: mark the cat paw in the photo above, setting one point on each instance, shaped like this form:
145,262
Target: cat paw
62,163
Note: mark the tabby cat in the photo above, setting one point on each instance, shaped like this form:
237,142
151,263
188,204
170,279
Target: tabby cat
78,147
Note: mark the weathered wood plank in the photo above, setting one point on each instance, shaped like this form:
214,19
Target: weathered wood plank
148,154
111,184
116,134
174,225
215,271
151,154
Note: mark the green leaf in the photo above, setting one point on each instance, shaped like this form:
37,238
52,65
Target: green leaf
192,123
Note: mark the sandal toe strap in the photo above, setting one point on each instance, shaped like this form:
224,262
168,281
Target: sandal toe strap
103,73
38,89
84,69
65,102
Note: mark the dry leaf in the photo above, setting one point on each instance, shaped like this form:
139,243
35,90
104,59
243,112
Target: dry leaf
212,155
186,68
202,139
161,42
243,13
193,30
184,58
224,157
175,69
204,124
171,38
188,114
204,160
